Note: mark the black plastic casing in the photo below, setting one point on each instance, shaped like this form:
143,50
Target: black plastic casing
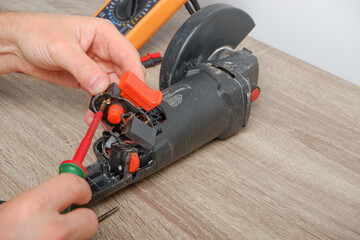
212,101
209,103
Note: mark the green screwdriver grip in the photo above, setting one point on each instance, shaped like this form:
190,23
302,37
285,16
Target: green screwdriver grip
74,169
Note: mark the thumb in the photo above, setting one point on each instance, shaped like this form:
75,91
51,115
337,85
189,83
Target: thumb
87,72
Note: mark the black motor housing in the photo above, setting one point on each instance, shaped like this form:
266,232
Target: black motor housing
212,101
206,89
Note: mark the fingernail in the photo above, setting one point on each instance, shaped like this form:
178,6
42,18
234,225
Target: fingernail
98,84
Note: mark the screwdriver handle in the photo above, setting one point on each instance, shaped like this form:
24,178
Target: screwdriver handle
75,165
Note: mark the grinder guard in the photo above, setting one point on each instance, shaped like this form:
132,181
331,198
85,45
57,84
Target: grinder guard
211,101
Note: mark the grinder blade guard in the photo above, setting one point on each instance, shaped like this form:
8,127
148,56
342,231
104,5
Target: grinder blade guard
206,88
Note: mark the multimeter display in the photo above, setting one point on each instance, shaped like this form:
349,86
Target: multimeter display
125,14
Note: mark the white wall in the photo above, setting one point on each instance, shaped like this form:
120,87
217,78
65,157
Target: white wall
324,33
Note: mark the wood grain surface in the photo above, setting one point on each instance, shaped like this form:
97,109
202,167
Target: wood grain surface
292,173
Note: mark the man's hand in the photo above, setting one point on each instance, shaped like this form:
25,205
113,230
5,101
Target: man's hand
36,213
73,51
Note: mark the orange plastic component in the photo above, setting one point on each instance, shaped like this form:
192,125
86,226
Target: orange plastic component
135,90
134,163
114,113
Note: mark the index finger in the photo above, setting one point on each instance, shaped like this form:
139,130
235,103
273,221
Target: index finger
122,52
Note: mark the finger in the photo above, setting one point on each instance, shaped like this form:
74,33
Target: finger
89,116
8,63
122,52
62,191
114,78
62,78
15,63
80,223
83,68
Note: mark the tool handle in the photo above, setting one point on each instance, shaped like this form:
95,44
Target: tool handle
75,166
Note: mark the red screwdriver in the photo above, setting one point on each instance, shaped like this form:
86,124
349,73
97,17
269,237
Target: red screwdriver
75,165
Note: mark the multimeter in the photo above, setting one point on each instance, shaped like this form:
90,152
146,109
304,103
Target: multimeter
138,20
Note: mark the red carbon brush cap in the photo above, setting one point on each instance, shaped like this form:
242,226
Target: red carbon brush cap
114,113
134,162
255,94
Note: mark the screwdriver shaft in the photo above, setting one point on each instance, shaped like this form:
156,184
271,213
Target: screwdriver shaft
108,214
86,142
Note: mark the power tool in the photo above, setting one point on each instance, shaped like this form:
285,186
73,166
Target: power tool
206,90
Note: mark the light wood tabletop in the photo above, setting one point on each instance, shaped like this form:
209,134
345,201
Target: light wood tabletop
292,173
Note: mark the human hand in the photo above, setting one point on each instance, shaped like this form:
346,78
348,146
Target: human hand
36,213
73,51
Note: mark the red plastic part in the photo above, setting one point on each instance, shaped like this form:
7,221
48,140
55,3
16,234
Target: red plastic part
114,113
86,142
134,162
255,94
135,90
148,56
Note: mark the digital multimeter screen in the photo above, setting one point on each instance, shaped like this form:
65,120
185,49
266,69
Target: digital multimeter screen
124,14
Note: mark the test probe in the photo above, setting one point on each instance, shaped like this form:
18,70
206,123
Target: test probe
150,60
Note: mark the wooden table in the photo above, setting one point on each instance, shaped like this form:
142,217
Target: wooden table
294,172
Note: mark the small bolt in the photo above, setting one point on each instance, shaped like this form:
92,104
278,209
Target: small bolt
108,101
